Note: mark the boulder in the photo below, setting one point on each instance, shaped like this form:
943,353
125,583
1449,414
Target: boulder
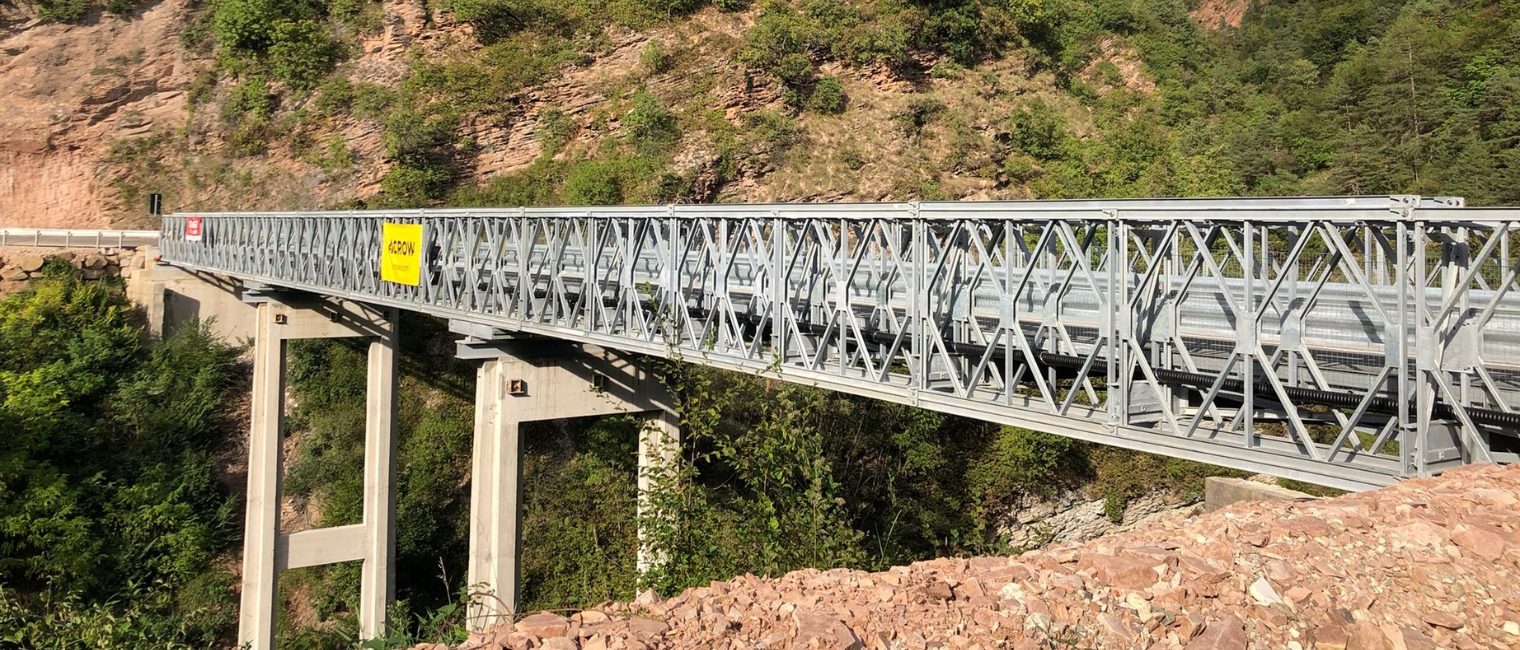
544,624
29,262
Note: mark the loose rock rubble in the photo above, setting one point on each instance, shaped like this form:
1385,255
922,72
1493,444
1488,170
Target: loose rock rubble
1429,563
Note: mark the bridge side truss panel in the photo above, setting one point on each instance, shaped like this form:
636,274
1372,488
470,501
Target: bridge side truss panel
1344,342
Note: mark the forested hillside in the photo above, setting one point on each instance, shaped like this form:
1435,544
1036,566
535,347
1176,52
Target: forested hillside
114,515
333,103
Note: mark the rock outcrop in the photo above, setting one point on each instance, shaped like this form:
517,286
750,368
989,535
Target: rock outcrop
72,92
1428,563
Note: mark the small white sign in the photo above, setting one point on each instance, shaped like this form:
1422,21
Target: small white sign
193,227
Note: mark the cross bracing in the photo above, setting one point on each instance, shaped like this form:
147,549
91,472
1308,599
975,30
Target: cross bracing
1348,341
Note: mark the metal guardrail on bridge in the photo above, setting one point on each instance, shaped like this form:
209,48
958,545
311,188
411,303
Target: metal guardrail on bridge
1221,340
62,238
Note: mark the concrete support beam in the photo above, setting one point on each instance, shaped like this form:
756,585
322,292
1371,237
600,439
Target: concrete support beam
528,380
261,521
377,584
319,546
659,445
495,499
266,551
1220,491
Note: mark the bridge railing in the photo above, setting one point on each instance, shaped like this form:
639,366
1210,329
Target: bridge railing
1348,341
77,238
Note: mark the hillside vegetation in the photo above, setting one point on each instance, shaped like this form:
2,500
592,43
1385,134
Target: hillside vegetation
112,518
336,103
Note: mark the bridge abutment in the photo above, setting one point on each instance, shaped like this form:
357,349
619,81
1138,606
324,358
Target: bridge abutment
523,380
267,551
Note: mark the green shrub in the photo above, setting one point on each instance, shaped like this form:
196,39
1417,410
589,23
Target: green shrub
339,96
1021,461
424,149
593,183
651,126
554,129
495,20
827,96
777,131
249,99
408,186
245,27
918,113
246,112
302,52
653,58
111,510
121,7
853,159
64,11
202,86
1114,504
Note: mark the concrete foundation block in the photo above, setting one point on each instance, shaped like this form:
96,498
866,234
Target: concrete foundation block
1219,492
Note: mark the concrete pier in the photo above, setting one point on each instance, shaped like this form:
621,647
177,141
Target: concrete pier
267,551
526,380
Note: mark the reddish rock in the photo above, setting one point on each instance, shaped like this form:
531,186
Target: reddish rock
1443,619
1121,571
824,632
646,628
1424,564
1224,634
544,624
1482,543
29,262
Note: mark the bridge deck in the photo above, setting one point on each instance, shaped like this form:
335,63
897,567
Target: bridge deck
1347,341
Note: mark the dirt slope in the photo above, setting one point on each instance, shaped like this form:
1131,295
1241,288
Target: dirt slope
70,92
1431,563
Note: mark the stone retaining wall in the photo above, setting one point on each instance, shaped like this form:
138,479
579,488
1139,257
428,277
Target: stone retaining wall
19,265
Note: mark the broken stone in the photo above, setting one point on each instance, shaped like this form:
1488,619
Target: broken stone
1482,543
544,624
825,632
1263,593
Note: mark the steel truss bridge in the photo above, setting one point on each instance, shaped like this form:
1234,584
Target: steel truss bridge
1347,341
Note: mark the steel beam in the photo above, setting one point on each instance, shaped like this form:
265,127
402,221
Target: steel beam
1311,315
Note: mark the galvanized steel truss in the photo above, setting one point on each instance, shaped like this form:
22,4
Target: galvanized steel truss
1346,341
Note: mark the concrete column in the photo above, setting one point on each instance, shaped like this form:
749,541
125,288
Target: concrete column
527,380
377,587
659,445
261,524
495,500
266,550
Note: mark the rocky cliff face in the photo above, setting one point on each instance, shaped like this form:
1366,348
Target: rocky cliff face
71,93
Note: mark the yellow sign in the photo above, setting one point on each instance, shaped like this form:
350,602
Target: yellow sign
401,253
